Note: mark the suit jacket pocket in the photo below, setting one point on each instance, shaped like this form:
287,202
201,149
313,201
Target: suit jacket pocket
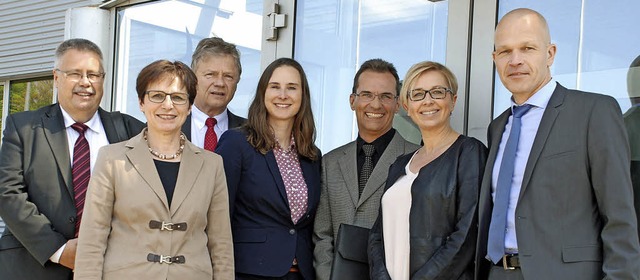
559,154
584,253
249,236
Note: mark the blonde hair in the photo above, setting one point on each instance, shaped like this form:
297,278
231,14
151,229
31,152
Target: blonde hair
423,67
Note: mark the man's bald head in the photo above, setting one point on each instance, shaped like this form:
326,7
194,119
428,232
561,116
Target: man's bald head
524,14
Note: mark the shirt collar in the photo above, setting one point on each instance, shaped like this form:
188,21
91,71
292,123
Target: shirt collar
541,98
93,123
380,143
199,117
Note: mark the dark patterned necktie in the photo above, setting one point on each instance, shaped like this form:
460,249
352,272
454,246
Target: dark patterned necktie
80,170
210,137
497,228
367,167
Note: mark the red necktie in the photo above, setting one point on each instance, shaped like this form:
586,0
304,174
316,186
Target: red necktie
210,138
80,170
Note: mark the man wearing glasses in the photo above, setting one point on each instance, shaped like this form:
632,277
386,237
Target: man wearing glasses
45,165
353,175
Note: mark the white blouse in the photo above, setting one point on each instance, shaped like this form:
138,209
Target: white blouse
396,205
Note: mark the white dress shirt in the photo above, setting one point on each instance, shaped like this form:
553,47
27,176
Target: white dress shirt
529,128
199,129
97,138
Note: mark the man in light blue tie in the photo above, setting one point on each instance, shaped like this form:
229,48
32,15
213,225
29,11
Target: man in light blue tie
556,200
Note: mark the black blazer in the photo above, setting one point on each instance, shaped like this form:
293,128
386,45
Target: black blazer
265,240
234,121
36,190
442,219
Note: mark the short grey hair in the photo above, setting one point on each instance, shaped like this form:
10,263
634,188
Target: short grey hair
78,44
215,46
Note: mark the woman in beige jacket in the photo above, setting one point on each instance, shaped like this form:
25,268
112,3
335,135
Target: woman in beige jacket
157,205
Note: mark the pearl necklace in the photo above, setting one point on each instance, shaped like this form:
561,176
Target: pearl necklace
163,156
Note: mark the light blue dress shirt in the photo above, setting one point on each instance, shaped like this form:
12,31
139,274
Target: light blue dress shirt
529,128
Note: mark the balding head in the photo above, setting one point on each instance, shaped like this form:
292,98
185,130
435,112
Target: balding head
523,53
528,15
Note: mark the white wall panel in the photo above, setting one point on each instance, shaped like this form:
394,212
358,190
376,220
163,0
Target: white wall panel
30,31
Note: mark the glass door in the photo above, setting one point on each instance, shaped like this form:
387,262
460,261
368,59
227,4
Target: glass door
172,29
333,38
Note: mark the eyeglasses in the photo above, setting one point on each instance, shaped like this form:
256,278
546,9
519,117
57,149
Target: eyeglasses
76,76
386,98
435,93
158,96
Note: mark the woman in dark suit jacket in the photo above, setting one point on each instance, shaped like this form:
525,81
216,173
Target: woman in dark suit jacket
428,212
273,175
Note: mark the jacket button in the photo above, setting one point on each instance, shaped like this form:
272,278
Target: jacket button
72,219
292,231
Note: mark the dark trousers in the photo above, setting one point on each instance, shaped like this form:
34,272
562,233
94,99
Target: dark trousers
499,273
288,276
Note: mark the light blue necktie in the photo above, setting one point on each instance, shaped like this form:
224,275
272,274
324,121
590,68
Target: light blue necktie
497,229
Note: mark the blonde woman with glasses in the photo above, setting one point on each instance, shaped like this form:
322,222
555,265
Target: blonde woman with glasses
428,211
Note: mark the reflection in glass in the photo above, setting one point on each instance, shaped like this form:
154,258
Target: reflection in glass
333,38
30,95
172,29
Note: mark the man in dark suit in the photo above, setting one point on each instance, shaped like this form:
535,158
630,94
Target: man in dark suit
555,203
38,199
342,200
632,122
217,66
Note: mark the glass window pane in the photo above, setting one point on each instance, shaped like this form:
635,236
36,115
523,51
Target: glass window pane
333,38
172,29
30,95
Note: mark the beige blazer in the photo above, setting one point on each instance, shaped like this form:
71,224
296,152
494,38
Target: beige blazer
125,193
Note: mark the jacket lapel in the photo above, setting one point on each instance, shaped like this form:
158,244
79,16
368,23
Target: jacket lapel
548,119
378,175
190,166
396,170
494,136
349,169
313,182
109,126
141,160
56,135
270,158
186,127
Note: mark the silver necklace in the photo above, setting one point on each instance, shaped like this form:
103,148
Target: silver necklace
163,156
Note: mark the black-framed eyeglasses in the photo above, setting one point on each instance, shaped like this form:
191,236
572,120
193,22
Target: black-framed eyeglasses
158,96
435,93
386,98
75,76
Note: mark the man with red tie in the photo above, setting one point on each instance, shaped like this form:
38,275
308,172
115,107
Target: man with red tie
217,66
45,165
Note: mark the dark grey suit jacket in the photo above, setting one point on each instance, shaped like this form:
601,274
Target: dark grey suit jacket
234,121
339,199
574,217
36,192
632,121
